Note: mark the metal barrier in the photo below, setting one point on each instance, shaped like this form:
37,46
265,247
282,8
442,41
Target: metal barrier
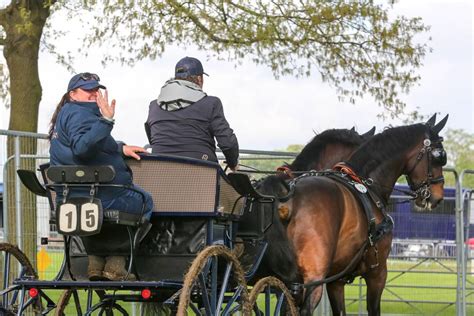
409,259
20,207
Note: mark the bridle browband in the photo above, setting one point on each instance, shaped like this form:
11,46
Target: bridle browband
422,189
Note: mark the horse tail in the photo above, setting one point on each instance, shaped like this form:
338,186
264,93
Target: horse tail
308,306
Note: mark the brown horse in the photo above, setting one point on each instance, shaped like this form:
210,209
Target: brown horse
328,148
322,152
329,227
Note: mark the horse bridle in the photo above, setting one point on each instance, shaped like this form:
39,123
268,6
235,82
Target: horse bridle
433,154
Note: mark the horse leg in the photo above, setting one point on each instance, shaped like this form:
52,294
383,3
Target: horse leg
336,297
375,281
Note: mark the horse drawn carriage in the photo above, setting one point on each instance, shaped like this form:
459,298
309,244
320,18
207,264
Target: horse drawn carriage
326,227
185,260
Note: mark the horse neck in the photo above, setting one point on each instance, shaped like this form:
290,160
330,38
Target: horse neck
385,176
326,158
332,155
385,167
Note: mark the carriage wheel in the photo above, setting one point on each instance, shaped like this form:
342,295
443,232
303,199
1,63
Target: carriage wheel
71,301
272,286
214,285
15,265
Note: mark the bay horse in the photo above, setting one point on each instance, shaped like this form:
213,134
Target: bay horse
322,152
328,148
329,227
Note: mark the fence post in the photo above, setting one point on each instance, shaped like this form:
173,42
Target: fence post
462,249
19,223
6,232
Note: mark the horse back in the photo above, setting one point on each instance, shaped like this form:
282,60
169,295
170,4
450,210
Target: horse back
327,220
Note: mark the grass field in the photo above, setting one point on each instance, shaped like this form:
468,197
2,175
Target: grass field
428,288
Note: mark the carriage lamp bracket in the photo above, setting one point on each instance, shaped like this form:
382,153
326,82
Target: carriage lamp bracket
65,193
296,289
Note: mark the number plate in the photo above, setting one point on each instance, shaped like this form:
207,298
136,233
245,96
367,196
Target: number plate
79,216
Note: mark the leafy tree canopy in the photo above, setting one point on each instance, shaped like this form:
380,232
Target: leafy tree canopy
354,45
459,146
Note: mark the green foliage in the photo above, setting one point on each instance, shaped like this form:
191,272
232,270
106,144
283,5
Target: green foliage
459,146
354,45
294,148
269,163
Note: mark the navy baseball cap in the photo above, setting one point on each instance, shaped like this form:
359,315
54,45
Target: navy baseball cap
188,66
85,81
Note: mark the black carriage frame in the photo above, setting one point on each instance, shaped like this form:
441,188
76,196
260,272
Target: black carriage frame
213,218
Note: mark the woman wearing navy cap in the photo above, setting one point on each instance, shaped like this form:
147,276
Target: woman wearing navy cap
80,135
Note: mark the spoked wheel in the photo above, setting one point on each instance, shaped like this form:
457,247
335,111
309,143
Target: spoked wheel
214,285
70,303
272,287
15,266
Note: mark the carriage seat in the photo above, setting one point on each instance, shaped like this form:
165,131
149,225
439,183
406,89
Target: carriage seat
58,176
183,186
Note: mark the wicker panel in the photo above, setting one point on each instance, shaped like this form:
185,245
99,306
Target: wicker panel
229,200
175,186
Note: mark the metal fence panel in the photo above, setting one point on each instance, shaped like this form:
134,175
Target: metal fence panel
423,269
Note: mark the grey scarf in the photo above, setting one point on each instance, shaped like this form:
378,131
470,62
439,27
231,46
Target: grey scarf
178,94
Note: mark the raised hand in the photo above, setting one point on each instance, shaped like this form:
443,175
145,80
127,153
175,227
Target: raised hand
107,110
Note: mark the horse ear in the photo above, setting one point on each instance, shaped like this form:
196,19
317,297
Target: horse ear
353,129
369,133
431,122
438,127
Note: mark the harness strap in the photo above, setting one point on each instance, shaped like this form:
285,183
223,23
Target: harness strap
376,231
287,171
344,168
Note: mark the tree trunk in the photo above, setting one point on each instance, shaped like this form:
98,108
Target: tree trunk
21,49
23,22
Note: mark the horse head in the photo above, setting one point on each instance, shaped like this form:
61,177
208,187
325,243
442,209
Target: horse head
425,166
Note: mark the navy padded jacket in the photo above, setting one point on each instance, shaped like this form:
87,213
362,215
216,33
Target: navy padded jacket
82,137
192,131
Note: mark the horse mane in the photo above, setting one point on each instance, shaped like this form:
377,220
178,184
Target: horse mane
312,151
390,144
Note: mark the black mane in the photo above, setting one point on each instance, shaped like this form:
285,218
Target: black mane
389,144
311,152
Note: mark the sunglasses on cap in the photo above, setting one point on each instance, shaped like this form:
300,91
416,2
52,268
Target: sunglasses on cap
89,76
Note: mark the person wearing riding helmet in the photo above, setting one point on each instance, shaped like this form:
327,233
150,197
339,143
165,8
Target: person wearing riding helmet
185,121
80,134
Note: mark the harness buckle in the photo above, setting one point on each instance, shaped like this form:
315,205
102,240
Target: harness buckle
376,252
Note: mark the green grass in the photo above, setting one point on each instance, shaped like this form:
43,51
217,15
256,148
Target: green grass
440,301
